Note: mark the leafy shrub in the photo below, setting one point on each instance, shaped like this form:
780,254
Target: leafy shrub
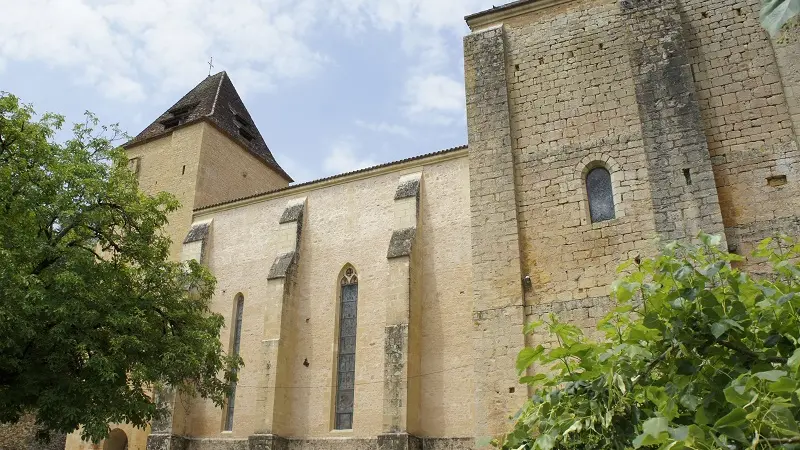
696,355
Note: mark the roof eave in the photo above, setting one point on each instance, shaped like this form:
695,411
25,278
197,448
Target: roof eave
484,19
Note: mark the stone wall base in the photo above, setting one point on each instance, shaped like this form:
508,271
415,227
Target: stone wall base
166,442
398,441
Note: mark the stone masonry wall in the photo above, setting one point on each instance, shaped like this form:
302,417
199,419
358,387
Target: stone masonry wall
681,180
227,171
170,164
573,107
345,223
497,304
746,119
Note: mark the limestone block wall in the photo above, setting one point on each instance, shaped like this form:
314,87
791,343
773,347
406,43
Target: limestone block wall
497,302
746,116
573,107
170,164
346,222
137,439
227,171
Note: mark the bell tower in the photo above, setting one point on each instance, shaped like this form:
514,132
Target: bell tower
205,149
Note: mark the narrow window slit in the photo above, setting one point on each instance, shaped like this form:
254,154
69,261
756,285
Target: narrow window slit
346,367
236,342
688,176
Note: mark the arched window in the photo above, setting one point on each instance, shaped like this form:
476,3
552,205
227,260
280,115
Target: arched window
346,367
236,341
600,194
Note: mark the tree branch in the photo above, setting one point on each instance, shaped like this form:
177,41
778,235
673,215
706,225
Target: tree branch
746,351
791,440
652,365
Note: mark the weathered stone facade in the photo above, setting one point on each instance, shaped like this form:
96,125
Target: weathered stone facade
687,105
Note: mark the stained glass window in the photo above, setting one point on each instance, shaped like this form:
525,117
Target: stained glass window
346,368
601,197
237,341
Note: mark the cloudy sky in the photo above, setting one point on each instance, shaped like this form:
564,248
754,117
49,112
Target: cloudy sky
333,85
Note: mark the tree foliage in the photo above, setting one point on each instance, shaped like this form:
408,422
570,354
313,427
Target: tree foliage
93,315
696,355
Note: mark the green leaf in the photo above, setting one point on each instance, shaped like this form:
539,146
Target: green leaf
738,395
533,379
784,298
655,426
733,432
532,326
679,434
794,360
782,385
771,375
654,431
733,419
545,442
719,328
527,356
782,419
701,417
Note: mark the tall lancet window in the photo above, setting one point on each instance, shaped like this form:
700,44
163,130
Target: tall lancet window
236,342
346,369
601,196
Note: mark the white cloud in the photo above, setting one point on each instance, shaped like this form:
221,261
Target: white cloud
344,158
430,33
436,98
383,127
127,47
135,50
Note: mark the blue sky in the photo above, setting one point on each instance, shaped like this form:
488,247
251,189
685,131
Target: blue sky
333,85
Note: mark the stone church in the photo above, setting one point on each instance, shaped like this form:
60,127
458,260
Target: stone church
383,308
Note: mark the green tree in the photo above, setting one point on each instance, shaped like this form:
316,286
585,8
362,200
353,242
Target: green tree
697,355
93,315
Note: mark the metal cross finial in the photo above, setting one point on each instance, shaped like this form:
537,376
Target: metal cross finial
210,65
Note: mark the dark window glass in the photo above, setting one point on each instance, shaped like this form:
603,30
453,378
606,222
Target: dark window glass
346,368
237,342
601,198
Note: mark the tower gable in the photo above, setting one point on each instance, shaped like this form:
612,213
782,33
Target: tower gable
216,101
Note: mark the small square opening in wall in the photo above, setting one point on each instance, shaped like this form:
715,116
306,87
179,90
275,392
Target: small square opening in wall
776,180
600,46
704,14
133,165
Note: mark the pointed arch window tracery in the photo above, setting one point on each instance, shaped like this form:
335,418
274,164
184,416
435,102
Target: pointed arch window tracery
346,364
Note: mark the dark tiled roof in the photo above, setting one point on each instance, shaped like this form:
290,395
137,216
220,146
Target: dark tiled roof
497,8
319,180
215,99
